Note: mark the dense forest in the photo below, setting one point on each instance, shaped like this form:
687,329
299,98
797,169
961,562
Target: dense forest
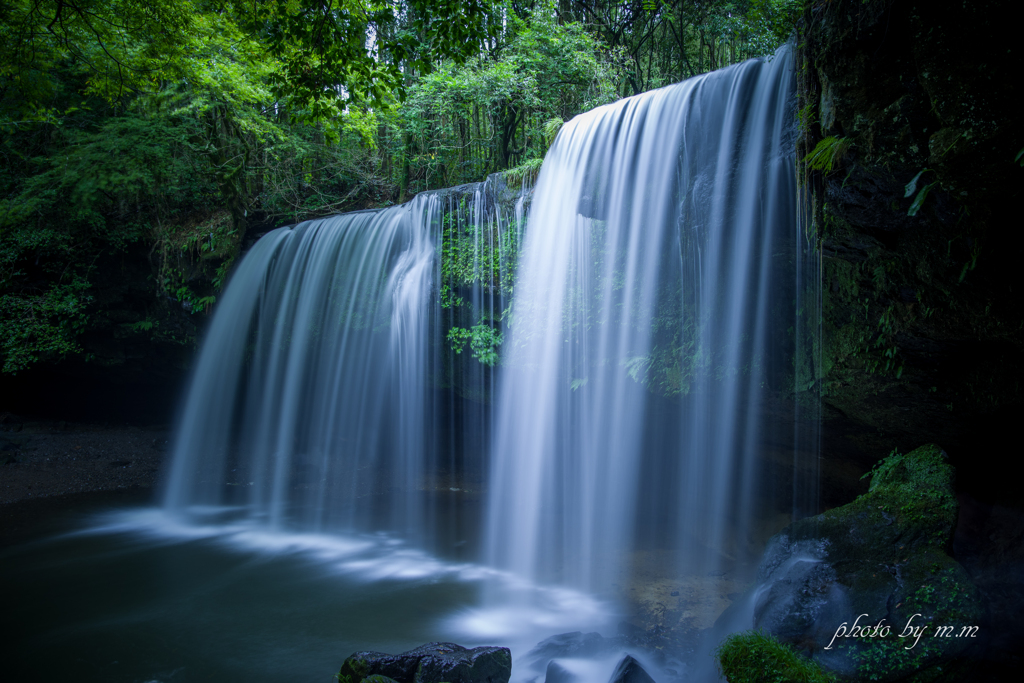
158,134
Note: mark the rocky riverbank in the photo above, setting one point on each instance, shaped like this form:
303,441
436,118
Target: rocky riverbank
48,468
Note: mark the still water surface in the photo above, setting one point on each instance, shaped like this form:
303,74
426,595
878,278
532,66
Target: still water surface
132,596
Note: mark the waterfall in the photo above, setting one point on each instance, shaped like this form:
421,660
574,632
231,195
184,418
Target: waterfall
325,397
650,413
654,335
309,386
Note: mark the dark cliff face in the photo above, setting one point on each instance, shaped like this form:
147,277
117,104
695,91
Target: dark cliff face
923,324
923,314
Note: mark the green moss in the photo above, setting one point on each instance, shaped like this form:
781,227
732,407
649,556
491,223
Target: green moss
353,670
918,487
938,590
756,657
890,545
924,467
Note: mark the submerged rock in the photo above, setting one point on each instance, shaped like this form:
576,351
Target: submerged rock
564,645
577,645
851,585
430,663
556,673
630,671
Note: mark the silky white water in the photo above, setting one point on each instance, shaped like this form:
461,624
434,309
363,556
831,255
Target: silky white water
655,315
321,399
309,390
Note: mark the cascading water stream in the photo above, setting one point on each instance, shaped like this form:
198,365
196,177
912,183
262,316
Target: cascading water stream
654,325
310,392
325,397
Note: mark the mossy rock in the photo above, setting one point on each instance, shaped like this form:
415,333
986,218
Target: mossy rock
757,657
884,556
430,663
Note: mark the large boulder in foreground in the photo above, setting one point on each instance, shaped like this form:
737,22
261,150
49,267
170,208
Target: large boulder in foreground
845,585
431,663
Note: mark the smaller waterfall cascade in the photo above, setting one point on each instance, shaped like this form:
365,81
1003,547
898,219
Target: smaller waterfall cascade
309,392
326,397
655,323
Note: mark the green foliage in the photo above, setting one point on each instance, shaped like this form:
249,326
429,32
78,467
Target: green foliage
321,53
168,127
758,657
525,172
136,159
677,358
484,341
922,194
476,255
827,153
904,524
663,41
477,271
769,23
941,593
120,47
551,128
922,473
882,354
34,326
463,122
806,117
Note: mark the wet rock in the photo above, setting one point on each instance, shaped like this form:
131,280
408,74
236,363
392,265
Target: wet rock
570,645
630,671
556,673
449,663
575,644
362,665
876,562
432,663
8,451
654,638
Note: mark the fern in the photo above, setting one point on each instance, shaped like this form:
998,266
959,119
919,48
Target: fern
526,171
922,194
551,128
827,153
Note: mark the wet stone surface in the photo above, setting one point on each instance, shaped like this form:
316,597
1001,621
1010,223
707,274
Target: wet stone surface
42,459
49,470
430,663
